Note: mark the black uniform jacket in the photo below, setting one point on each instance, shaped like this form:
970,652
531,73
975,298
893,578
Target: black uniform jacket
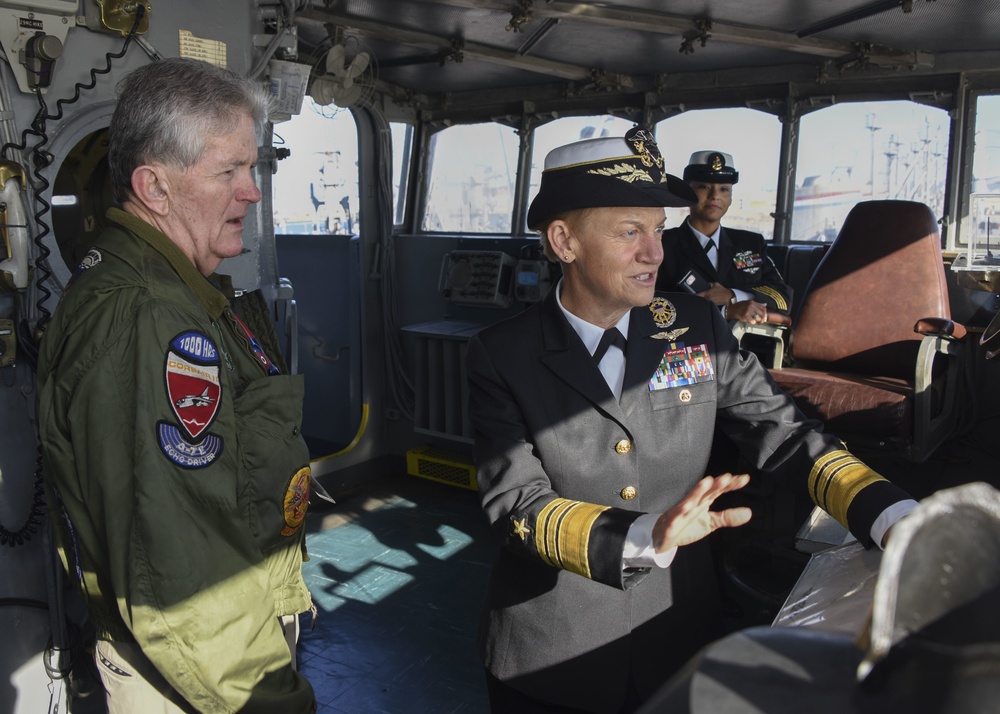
743,265
564,469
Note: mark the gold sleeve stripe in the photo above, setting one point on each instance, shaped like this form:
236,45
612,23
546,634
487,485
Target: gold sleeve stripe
562,534
836,478
779,299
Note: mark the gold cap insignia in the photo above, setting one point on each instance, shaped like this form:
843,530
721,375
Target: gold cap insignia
644,145
664,312
717,162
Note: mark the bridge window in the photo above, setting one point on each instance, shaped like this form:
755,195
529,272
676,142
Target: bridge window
563,131
864,151
986,148
471,179
402,156
751,137
984,204
315,189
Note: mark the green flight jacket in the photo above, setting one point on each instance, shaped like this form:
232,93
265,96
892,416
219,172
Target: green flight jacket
176,472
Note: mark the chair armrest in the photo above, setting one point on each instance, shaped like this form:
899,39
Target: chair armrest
940,327
772,330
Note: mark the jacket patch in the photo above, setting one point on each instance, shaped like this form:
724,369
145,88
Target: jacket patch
681,366
185,455
296,501
92,258
748,261
258,351
193,387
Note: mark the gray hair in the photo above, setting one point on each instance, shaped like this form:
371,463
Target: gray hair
167,109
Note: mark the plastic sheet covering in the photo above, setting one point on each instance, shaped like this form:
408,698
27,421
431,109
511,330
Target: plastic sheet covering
835,591
821,531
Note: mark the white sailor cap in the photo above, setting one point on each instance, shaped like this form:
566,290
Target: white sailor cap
711,167
606,172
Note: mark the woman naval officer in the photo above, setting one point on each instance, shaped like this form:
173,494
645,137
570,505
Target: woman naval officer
591,467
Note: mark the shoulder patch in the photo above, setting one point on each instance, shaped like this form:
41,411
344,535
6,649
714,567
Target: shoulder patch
92,258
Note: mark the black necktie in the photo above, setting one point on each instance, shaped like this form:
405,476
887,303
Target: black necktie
709,246
610,337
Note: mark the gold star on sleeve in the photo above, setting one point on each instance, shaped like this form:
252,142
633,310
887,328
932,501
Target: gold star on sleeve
521,529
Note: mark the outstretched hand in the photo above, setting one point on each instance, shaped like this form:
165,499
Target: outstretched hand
692,518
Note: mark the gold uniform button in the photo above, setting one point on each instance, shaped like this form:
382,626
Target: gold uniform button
685,395
624,446
628,493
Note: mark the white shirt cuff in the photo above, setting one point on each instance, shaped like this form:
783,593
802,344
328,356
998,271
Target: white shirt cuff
639,552
886,520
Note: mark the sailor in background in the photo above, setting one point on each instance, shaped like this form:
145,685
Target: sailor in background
730,267
591,467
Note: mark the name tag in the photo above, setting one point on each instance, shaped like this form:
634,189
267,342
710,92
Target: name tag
681,366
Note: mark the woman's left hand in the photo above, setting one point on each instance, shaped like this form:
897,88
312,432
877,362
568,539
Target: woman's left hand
692,518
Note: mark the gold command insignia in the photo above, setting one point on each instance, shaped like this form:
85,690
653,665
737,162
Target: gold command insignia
664,313
644,145
521,529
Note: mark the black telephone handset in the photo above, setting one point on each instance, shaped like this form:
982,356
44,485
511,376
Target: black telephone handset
693,282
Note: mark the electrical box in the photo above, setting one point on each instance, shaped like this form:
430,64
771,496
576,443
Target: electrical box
478,277
32,35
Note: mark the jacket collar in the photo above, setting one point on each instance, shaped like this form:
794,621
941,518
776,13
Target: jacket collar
565,354
210,296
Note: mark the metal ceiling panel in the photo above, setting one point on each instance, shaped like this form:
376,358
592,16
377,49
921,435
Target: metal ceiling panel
635,52
931,26
453,46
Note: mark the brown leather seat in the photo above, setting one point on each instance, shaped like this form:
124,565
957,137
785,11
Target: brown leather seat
869,330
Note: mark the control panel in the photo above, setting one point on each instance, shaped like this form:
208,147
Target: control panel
480,277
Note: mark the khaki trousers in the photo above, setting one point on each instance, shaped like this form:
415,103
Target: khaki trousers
132,684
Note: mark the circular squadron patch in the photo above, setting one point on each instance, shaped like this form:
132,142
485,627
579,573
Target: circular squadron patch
664,312
296,501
